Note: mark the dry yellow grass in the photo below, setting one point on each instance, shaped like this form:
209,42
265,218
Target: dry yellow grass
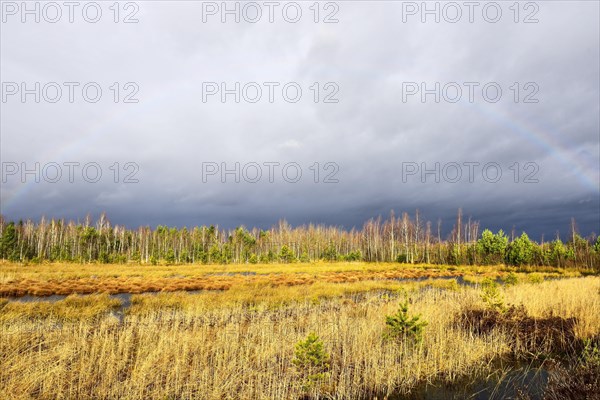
72,308
48,279
240,343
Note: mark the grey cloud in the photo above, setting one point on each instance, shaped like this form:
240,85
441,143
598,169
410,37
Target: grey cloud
369,133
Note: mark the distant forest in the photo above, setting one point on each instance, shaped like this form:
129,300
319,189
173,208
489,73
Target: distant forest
402,239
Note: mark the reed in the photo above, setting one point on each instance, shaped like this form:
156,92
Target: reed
239,344
64,279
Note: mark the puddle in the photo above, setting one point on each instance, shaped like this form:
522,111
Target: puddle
30,299
520,383
125,298
459,279
242,273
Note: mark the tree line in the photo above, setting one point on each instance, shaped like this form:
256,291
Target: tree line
404,239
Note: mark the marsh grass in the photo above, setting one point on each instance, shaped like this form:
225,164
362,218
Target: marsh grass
72,308
240,343
581,378
65,279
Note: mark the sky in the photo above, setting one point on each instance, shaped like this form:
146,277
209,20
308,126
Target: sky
331,112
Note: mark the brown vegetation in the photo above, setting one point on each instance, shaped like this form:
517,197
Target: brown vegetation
64,279
551,334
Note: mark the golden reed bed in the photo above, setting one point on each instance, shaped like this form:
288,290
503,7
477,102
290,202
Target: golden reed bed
63,279
240,343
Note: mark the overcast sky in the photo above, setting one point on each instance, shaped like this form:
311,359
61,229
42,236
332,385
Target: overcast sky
370,145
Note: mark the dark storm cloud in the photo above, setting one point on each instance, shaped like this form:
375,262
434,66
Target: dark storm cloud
370,133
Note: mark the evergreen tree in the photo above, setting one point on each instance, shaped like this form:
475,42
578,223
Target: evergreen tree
492,247
9,246
520,251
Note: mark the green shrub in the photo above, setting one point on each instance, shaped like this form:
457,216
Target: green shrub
170,257
402,259
491,295
511,279
311,360
304,257
402,326
353,256
535,278
597,245
286,255
330,253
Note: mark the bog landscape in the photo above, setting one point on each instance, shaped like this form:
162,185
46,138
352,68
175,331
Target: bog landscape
300,200
90,310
